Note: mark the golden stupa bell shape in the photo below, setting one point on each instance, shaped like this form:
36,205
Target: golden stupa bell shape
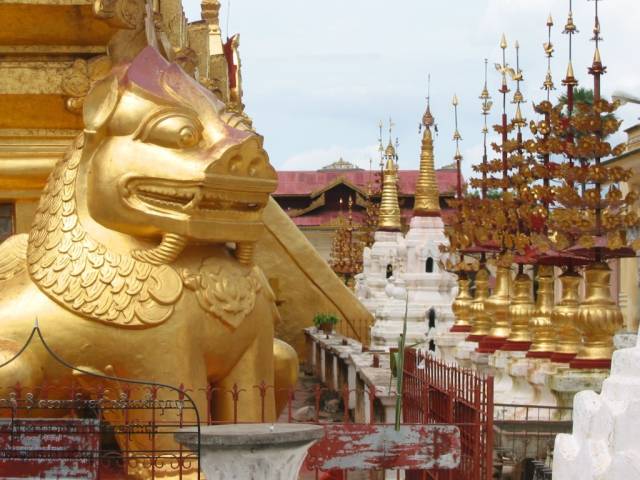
521,310
461,306
497,305
427,199
540,325
389,216
564,317
599,317
480,320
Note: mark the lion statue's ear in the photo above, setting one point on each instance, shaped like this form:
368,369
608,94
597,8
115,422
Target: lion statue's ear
100,103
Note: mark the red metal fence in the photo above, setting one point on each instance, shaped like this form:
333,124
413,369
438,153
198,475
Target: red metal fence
435,392
100,427
115,430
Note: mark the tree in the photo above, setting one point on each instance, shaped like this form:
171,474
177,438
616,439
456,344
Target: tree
582,96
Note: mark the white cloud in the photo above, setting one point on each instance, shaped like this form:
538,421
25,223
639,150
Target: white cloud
318,76
320,157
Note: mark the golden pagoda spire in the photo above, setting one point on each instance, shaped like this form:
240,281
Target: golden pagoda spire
458,156
389,216
427,198
548,50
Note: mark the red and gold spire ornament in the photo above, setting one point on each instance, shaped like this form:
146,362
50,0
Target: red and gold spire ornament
480,321
462,304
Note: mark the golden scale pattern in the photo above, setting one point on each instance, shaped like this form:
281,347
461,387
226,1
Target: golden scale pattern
84,275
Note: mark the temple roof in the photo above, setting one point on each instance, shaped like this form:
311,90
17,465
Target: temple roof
341,164
307,183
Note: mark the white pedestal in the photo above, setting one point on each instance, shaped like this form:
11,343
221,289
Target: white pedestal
255,451
566,383
502,383
539,378
463,352
480,363
447,343
390,322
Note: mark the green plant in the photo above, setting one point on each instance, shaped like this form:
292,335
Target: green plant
321,319
400,365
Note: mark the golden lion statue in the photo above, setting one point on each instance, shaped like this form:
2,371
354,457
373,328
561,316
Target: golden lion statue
139,263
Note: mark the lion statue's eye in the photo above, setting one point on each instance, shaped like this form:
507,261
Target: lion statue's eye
172,131
188,137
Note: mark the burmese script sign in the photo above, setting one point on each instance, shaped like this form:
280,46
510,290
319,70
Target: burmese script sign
49,448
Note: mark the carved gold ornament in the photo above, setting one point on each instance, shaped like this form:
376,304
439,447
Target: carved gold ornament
226,292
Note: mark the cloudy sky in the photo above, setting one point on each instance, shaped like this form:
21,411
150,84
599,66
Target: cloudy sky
320,75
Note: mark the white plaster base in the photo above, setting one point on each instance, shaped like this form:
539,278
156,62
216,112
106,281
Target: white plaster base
502,382
520,391
446,343
252,451
268,463
605,443
567,382
539,378
480,363
462,353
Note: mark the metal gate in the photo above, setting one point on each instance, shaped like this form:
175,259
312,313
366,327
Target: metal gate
435,392
119,428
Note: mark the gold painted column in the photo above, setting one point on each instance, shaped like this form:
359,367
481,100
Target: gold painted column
497,307
598,319
521,310
480,321
461,306
542,332
564,318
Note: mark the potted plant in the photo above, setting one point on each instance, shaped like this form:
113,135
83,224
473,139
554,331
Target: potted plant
325,322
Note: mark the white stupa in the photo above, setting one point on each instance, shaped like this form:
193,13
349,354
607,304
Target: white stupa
402,273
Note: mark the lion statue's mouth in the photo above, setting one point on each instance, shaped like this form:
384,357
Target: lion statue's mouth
191,198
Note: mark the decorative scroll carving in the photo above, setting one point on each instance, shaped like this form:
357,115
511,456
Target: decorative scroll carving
120,13
78,79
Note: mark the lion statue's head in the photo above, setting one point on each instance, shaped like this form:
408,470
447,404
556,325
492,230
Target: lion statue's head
165,157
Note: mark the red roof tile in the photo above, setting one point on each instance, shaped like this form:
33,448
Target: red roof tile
306,182
325,217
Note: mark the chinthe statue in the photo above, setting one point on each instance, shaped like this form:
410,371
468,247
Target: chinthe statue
139,263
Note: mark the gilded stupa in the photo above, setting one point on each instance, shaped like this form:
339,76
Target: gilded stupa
389,217
427,201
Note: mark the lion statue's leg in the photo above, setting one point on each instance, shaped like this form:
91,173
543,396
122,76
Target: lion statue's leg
254,368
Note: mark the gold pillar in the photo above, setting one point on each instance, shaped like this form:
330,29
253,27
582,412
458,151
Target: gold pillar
461,305
497,307
480,321
521,310
564,318
542,332
389,216
598,319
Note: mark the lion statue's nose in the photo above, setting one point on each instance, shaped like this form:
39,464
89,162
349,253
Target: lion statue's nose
246,159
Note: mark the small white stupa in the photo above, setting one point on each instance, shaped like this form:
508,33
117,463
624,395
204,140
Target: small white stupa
403,274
